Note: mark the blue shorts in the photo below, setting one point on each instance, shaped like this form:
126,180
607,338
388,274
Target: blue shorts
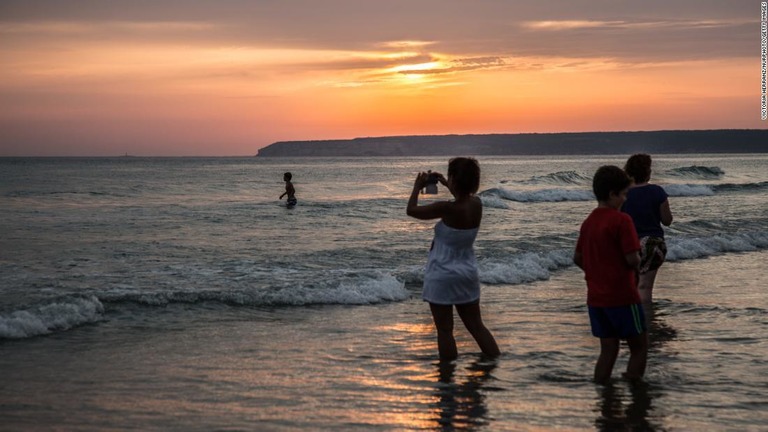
617,322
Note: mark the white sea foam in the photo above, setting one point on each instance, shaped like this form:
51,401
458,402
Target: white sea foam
57,316
492,201
540,195
701,247
530,267
562,177
352,288
524,268
688,190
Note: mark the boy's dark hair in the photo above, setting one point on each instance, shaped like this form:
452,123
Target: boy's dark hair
465,173
638,167
609,178
287,176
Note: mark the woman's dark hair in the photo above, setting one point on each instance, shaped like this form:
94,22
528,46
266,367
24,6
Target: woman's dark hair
639,167
609,178
288,176
465,173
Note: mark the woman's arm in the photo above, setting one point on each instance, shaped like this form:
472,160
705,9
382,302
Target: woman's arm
430,211
666,213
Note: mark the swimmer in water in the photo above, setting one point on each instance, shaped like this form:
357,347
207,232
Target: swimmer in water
289,190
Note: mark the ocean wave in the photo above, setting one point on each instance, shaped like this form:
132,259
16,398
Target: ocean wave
60,315
541,195
700,247
340,287
697,171
562,177
693,190
492,195
740,187
524,268
537,266
343,287
517,269
30,194
493,201
688,190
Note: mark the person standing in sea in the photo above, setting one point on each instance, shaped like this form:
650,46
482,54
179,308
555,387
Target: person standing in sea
608,251
648,205
289,190
450,277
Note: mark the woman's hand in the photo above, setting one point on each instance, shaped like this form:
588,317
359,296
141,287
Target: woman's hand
421,181
423,177
441,179
434,210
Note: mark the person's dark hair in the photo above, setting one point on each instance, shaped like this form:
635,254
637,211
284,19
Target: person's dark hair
638,167
465,173
287,176
609,178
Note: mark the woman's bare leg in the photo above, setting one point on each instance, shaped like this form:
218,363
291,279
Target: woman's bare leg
443,317
473,321
645,286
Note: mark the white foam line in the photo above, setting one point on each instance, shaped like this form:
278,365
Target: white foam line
49,318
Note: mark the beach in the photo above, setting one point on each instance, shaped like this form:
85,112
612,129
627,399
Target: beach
178,294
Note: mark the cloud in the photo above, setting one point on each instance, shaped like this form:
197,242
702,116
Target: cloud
457,65
406,44
568,24
84,28
565,25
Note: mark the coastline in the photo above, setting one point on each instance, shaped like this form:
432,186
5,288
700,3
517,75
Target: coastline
722,141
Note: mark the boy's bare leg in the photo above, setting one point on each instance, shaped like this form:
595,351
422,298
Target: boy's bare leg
638,356
443,317
473,321
609,350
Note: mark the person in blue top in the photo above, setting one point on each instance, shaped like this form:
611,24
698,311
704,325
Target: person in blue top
648,206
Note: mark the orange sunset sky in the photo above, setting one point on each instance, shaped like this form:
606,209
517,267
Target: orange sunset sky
175,77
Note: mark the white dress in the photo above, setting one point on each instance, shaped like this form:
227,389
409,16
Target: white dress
450,277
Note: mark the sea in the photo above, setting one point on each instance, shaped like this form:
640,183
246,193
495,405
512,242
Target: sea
181,294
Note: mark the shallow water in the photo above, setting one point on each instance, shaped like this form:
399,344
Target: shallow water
373,367
192,301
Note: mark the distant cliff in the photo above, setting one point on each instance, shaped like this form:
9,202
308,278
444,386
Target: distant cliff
655,142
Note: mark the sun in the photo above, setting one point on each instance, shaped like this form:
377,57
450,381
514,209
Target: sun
416,72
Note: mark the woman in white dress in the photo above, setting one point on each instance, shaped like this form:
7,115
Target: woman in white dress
450,277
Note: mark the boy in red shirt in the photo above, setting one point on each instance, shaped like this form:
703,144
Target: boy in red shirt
608,252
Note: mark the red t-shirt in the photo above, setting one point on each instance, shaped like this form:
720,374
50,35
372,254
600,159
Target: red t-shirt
605,237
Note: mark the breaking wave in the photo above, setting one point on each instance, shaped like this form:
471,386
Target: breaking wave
696,171
541,195
347,288
700,247
60,315
688,190
562,177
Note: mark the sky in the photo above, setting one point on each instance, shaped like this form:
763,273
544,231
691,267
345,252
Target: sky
226,77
